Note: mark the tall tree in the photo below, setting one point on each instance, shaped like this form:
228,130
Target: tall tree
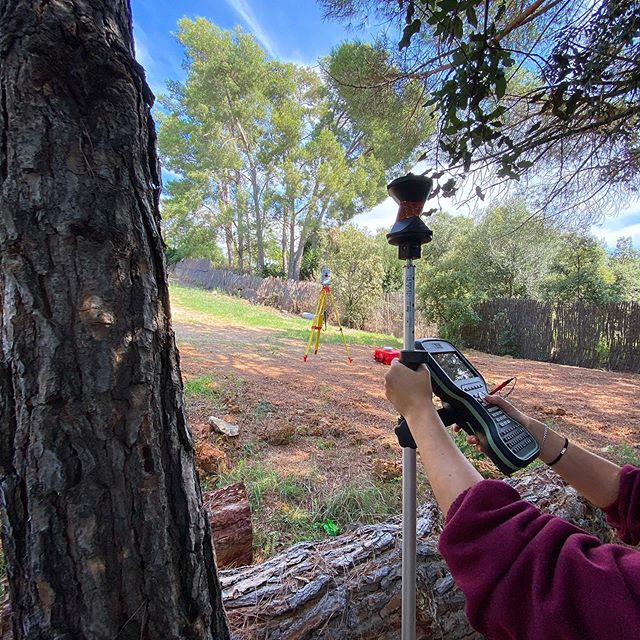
625,264
510,251
579,272
544,91
103,526
356,271
216,131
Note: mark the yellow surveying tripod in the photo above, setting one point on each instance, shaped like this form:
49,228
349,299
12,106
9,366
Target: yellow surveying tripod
321,315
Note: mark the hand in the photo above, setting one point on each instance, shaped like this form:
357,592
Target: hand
535,427
409,391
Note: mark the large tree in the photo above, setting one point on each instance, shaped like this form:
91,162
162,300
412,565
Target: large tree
542,91
103,526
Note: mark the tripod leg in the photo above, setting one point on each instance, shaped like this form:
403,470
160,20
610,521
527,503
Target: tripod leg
314,327
319,318
337,317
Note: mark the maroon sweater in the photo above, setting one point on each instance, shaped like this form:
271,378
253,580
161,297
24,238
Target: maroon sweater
529,575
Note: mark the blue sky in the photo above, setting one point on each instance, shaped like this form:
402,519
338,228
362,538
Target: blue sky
291,30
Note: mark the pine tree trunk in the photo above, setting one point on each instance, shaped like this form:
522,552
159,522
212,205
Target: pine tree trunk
104,531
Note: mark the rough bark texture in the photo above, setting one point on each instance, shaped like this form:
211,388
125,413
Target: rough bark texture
230,518
348,587
104,530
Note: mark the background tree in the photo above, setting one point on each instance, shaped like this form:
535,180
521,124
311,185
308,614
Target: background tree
356,273
392,280
579,272
103,526
445,277
284,135
510,252
625,264
545,92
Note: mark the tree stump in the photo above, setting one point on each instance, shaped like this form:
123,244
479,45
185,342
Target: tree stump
230,518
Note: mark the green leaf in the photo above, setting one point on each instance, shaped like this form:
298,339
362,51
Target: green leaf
471,16
330,527
501,86
409,31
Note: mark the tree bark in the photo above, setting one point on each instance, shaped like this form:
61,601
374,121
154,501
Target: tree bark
230,518
349,587
104,530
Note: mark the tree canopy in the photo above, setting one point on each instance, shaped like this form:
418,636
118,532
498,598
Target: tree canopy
269,152
544,92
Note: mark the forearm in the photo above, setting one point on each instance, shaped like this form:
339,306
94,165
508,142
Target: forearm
448,471
597,479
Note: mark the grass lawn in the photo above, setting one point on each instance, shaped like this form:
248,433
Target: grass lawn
208,306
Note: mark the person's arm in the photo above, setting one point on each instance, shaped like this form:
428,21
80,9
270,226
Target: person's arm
615,490
530,575
525,574
449,472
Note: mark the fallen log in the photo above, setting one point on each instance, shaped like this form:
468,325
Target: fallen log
348,587
231,530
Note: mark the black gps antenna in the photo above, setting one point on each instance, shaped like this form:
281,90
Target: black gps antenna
409,232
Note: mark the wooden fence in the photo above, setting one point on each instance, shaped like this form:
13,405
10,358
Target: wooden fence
288,295
583,334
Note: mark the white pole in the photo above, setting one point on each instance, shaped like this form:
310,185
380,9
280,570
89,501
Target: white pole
409,479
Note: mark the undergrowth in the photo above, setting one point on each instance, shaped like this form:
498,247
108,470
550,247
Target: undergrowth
289,509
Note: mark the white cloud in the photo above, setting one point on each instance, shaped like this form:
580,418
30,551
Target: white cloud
144,57
242,8
626,224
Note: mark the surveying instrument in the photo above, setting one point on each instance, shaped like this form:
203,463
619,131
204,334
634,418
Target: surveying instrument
321,315
409,233
457,383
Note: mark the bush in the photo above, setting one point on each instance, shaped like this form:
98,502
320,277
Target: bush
506,337
273,271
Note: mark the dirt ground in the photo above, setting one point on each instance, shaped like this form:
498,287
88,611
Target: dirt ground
328,415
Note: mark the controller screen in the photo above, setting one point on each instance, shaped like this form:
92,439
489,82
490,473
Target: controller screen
453,366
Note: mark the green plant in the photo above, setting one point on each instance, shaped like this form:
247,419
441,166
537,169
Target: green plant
625,454
263,409
291,488
207,388
602,353
324,444
330,527
257,478
506,337
273,271
362,502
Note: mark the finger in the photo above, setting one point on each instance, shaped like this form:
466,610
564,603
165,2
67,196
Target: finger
506,406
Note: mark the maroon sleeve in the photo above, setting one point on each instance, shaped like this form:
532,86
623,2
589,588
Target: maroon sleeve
624,514
529,575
